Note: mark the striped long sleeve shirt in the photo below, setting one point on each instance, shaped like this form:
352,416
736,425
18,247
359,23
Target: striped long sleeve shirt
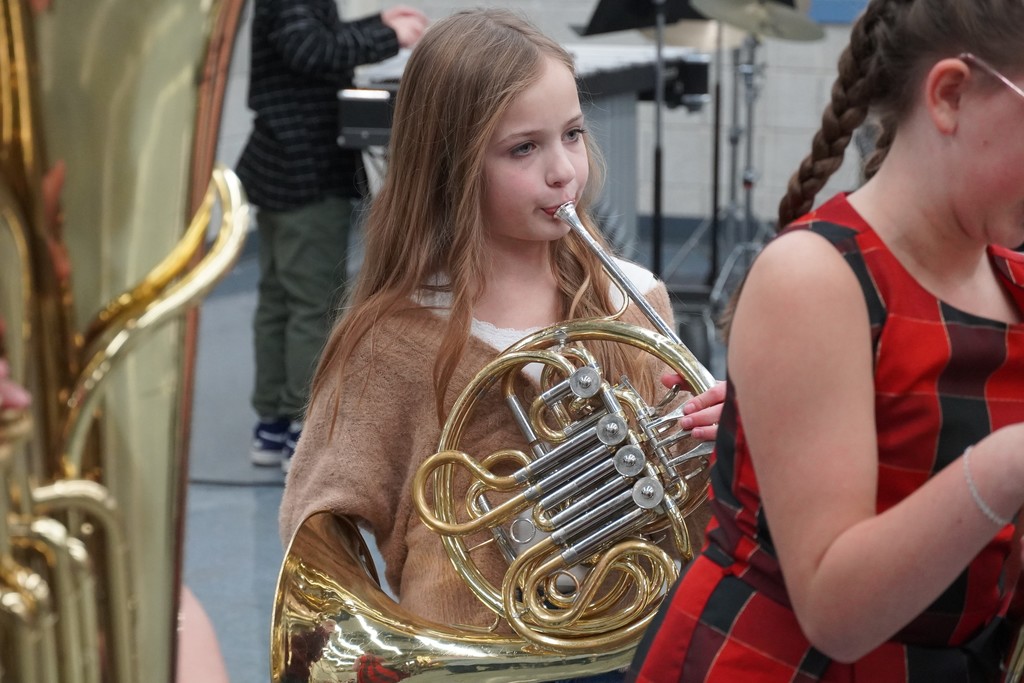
302,54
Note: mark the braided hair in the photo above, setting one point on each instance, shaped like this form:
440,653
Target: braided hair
892,45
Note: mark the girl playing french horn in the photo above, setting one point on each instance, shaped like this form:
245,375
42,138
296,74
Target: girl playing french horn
464,256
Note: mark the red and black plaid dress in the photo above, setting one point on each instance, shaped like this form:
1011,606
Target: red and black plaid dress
944,379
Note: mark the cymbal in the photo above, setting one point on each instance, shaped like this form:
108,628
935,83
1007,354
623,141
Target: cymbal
762,17
701,35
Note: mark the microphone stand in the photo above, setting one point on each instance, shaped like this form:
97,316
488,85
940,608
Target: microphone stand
619,15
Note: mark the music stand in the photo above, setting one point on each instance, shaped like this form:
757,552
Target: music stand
622,15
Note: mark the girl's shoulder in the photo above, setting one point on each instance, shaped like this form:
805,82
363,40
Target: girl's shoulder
796,253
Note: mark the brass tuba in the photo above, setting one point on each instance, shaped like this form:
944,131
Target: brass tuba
591,517
108,118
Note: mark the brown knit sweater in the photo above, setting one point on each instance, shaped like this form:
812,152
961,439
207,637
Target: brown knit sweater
386,426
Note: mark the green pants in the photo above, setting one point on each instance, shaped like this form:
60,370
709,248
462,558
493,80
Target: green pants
302,256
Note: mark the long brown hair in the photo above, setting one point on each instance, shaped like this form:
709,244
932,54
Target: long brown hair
426,219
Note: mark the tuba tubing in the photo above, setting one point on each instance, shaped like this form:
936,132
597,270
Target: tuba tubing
92,478
26,600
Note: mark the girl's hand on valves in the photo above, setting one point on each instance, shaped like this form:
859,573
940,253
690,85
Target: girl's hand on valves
702,412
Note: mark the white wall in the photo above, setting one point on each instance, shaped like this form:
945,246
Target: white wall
794,88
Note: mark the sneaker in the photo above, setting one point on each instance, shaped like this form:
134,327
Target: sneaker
290,442
268,441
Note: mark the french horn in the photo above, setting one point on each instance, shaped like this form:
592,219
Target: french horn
591,517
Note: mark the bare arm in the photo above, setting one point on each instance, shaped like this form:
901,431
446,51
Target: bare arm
800,360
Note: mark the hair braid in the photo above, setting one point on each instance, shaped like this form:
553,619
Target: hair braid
858,82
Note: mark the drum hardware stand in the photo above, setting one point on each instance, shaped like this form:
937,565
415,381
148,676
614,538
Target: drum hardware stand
749,234
745,238
706,341
772,18
657,221
714,221
618,15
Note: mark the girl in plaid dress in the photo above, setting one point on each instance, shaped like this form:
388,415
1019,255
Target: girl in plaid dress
870,458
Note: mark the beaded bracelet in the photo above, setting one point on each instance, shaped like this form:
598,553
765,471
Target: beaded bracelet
978,500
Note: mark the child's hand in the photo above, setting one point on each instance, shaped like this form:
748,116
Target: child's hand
12,396
702,411
408,24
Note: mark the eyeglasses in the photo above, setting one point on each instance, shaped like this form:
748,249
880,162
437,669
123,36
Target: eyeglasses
992,71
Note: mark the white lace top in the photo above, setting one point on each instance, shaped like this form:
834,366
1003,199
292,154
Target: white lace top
501,338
